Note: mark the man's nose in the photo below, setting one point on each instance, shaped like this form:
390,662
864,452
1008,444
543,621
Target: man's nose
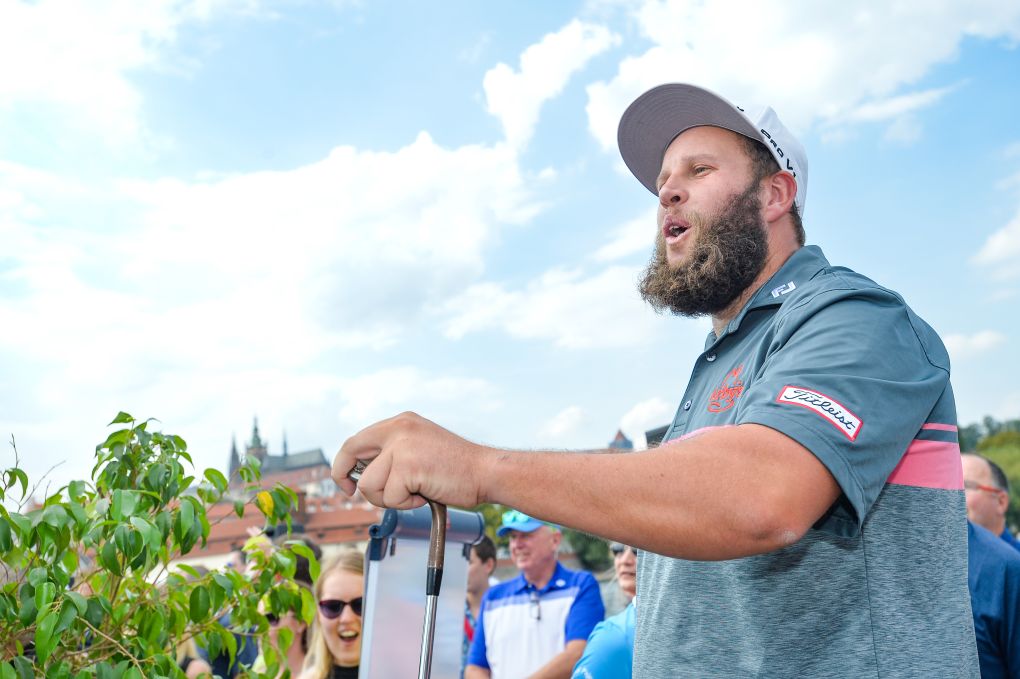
671,192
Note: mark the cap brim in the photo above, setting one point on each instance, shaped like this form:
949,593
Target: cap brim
655,119
529,527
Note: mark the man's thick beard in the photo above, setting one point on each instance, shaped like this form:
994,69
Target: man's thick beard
728,255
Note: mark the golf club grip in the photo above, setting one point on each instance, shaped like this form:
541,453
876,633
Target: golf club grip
437,548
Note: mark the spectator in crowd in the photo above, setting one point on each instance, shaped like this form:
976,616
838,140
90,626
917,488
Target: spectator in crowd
481,564
237,559
807,501
993,573
335,649
610,647
189,661
537,624
297,652
987,490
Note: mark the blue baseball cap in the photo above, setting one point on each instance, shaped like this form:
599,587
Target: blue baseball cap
515,520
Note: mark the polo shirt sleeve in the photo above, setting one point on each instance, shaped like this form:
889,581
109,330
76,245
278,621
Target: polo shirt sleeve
852,375
587,609
607,654
476,656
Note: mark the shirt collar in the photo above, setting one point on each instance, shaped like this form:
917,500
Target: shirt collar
557,581
798,269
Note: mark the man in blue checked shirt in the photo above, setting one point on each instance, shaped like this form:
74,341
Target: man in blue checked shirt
537,624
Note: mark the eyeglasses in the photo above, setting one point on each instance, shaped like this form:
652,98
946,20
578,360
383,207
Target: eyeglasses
331,609
272,618
973,485
617,549
536,606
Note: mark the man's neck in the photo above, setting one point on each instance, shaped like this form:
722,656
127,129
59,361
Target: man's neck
539,578
774,263
474,601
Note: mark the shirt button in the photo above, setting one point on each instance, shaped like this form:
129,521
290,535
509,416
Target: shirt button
687,406
710,358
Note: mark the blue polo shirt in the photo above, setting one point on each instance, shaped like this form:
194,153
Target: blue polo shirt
878,587
610,648
1008,538
993,573
521,628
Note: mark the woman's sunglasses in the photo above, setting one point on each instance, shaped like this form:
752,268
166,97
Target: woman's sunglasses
617,549
332,608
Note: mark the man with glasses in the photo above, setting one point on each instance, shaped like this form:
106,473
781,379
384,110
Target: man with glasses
805,516
537,624
987,490
993,568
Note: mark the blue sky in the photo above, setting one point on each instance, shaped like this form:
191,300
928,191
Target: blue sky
323,214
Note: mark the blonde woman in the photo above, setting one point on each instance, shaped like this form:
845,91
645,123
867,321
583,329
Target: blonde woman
335,649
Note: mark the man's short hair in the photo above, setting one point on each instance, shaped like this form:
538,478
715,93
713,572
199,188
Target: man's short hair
999,479
484,549
763,164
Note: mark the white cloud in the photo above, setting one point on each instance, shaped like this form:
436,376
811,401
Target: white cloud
372,397
572,310
646,415
73,60
563,424
1001,251
969,346
635,236
515,97
813,62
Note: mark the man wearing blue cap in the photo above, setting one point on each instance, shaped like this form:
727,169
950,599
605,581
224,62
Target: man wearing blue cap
806,515
537,624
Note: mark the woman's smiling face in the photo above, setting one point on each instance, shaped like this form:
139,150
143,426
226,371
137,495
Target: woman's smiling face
342,634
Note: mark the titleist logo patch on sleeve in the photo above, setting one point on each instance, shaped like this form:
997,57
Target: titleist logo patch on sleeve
841,418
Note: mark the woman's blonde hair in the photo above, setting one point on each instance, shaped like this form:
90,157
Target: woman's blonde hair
319,661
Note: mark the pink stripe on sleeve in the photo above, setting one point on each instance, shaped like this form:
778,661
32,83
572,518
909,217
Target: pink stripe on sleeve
703,430
939,427
930,464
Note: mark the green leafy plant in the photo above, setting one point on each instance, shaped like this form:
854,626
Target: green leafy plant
89,584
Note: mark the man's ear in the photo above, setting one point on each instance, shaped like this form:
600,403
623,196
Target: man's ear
781,190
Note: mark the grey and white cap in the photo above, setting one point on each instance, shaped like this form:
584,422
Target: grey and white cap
661,114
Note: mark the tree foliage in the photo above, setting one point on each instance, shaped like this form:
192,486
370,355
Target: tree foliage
88,581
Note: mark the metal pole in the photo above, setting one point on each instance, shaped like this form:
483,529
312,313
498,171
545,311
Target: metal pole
433,578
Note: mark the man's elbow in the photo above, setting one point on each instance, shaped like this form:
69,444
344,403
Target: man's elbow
769,526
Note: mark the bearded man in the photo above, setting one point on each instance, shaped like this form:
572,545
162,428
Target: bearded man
806,515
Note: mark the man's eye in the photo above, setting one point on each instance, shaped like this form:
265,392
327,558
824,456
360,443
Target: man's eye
701,169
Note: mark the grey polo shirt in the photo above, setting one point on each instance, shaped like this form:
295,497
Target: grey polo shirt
878,587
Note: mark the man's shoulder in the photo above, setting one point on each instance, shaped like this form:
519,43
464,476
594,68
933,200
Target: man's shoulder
572,578
989,549
504,589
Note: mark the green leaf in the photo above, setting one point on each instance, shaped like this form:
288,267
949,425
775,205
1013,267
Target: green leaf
121,418
215,477
239,508
224,582
187,517
6,543
95,612
75,490
198,604
22,523
21,477
44,638
304,550
24,668
44,594
80,518
78,600
124,503
148,531
7,671
308,606
68,613
56,516
108,557
38,576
